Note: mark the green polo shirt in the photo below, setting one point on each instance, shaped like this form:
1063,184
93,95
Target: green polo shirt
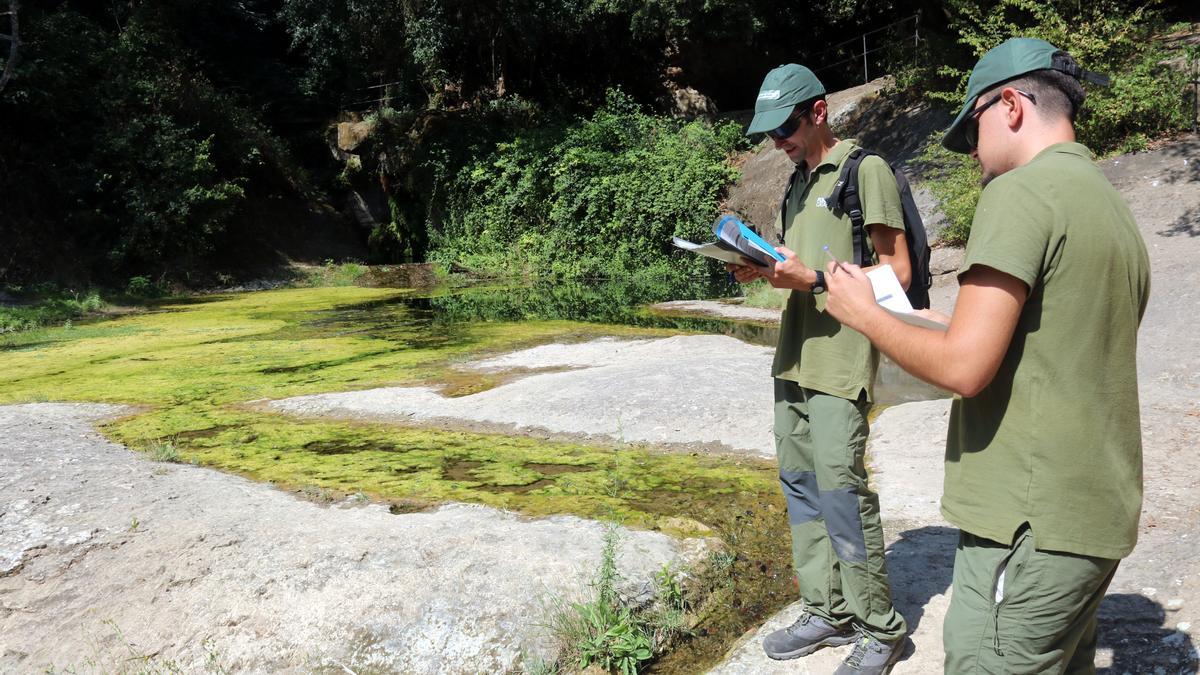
1055,439
814,350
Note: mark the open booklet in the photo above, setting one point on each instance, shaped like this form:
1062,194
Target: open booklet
736,243
890,295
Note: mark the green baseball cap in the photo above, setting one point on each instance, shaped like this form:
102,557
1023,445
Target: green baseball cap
1007,61
781,90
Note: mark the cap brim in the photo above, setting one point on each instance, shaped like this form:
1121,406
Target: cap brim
768,120
955,139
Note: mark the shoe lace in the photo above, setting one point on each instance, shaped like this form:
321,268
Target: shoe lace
860,652
799,623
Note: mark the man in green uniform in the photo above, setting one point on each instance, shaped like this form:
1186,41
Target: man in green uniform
824,376
1043,457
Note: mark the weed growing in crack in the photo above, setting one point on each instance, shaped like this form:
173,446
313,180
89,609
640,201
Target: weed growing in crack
610,631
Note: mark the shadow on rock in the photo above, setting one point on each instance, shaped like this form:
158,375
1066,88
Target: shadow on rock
920,566
1132,627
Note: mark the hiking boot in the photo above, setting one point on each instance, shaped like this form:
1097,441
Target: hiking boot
806,636
871,657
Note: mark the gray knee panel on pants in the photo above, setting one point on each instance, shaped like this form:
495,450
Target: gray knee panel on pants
843,521
800,491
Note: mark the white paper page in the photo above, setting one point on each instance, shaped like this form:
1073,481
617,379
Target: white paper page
890,295
888,291
714,251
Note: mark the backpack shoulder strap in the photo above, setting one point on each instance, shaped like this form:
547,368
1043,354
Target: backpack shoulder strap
845,198
783,205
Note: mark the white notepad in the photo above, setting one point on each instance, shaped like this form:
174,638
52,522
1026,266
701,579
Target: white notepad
890,295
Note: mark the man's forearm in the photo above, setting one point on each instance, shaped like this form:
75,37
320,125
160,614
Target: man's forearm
926,353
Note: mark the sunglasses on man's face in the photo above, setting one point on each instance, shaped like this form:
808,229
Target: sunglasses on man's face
789,126
971,130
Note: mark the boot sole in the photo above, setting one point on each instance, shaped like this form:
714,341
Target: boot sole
836,641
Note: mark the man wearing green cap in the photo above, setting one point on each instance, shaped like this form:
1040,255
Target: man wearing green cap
1043,457
824,376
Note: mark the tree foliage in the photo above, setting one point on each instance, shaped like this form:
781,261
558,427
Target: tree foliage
150,138
600,196
1114,37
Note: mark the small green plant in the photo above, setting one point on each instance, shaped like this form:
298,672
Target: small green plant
143,287
615,639
610,632
134,523
721,563
162,451
668,586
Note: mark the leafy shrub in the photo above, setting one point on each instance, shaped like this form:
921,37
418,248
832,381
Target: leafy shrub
596,197
1114,37
46,306
143,287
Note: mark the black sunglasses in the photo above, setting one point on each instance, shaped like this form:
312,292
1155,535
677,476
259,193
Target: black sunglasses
971,130
790,125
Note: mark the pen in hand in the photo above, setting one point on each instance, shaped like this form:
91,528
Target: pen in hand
837,263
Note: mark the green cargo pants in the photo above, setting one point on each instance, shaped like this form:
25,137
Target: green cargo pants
837,539
1017,610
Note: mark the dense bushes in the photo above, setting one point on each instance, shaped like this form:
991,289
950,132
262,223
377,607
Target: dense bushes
122,156
597,196
1114,37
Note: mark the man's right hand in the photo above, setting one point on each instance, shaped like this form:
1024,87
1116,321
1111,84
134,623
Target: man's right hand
744,273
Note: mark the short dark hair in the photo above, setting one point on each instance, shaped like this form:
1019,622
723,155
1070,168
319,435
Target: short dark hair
806,106
1057,93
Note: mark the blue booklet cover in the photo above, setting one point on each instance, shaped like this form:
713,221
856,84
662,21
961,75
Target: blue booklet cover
731,230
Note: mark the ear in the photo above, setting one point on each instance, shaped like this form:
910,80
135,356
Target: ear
820,111
1014,107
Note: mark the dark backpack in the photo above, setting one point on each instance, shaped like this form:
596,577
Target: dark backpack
844,199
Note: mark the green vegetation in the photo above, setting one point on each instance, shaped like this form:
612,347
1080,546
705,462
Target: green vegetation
49,307
162,451
600,197
1114,37
761,294
611,631
189,143
332,274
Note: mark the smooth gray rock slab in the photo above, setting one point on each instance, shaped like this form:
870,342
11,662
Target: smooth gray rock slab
683,389
107,556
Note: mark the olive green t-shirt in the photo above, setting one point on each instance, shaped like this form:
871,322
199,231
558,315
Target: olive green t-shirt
814,350
1055,439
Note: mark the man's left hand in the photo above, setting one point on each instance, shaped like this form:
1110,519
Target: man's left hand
851,300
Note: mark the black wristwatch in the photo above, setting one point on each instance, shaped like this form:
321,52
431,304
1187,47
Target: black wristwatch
818,286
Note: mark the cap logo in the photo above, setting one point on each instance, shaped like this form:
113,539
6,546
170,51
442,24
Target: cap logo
768,95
